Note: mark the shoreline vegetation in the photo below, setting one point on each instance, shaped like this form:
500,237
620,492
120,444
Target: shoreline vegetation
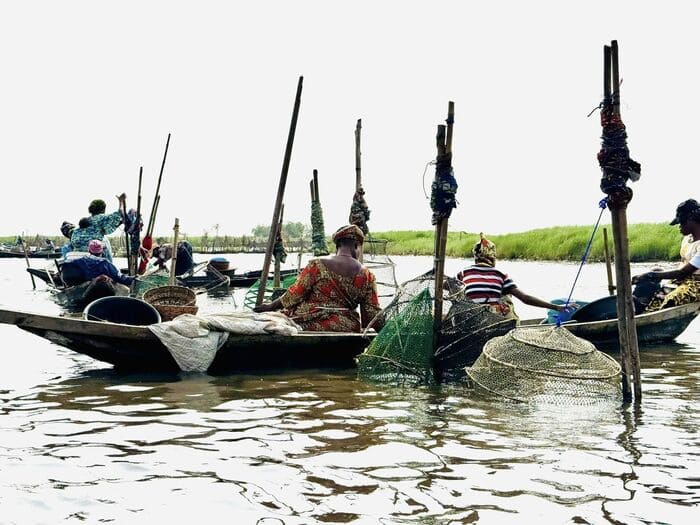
647,242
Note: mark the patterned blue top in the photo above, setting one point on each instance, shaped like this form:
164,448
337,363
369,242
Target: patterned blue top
100,225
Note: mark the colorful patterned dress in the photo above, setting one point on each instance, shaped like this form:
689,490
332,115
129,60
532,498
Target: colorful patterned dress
324,301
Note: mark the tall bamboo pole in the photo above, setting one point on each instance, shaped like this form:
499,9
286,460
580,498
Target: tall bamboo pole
629,347
358,153
137,231
280,195
608,262
152,218
278,264
444,146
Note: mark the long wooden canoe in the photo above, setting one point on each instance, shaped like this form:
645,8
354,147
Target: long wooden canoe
137,348
652,327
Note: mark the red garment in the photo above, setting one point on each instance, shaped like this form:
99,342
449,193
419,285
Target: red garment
324,301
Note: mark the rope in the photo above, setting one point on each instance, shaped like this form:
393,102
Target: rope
603,204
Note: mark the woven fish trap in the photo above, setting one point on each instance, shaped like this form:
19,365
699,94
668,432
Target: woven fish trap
546,365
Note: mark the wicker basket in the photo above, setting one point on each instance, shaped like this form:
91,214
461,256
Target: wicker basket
171,301
170,296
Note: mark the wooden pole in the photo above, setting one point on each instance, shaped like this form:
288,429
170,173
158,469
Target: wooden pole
280,195
26,258
276,275
358,163
152,217
173,259
317,196
135,256
311,187
608,262
629,346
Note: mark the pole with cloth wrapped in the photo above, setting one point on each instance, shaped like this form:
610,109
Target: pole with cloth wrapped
278,252
442,202
617,168
359,211
318,234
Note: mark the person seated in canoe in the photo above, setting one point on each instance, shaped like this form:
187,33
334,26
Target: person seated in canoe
164,252
487,285
91,266
329,289
66,230
687,275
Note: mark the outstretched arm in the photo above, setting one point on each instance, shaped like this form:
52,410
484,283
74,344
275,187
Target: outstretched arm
681,273
536,301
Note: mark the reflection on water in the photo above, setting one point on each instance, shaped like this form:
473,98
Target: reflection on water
81,443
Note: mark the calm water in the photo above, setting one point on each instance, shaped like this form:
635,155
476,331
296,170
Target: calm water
80,443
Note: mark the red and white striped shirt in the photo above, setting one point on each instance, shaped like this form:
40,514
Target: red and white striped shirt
485,284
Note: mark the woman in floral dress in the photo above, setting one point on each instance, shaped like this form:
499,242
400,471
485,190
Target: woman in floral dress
328,291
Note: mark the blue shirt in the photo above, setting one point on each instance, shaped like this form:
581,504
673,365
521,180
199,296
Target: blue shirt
92,267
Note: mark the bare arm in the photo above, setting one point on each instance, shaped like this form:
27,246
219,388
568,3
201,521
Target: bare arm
681,273
535,301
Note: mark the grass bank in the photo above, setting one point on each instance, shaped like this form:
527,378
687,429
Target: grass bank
647,242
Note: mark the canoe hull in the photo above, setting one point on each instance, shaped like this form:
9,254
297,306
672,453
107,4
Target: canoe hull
653,327
137,348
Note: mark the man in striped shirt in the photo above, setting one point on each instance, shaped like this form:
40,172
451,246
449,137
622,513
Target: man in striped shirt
487,285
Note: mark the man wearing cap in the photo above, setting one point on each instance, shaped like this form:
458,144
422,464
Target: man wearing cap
328,291
93,265
687,275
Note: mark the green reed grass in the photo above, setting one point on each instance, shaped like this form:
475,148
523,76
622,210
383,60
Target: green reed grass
647,242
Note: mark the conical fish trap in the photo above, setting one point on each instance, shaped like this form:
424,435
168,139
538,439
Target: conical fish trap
549,365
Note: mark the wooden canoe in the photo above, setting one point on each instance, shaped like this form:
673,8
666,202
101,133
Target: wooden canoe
652,327
136,348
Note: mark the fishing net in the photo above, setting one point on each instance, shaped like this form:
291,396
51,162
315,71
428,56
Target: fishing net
376,260
546,365
406,348
271,293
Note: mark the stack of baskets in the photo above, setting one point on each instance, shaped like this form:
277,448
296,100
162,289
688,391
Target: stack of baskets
171,301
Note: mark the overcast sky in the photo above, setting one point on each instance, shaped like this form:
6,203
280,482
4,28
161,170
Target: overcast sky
91,89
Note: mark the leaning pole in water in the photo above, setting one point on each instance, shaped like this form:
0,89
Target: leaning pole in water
617,168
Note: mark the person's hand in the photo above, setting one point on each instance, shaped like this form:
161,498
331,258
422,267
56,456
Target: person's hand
566,307
122,197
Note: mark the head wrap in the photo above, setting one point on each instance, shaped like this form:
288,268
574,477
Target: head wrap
67,228
349,232
484,250
97,206
689,209
95,247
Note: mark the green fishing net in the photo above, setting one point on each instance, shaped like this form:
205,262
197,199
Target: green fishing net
271,293
406,348
403,349
154,280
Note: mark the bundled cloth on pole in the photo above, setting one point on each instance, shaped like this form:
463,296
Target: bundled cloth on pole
443,195
359,211
613,157
318,234
278,251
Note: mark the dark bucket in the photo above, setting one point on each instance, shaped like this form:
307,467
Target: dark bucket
598,310
122,310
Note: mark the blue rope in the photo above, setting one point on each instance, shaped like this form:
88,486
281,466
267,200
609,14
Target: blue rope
603,204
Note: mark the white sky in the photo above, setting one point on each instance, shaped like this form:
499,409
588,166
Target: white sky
91,89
